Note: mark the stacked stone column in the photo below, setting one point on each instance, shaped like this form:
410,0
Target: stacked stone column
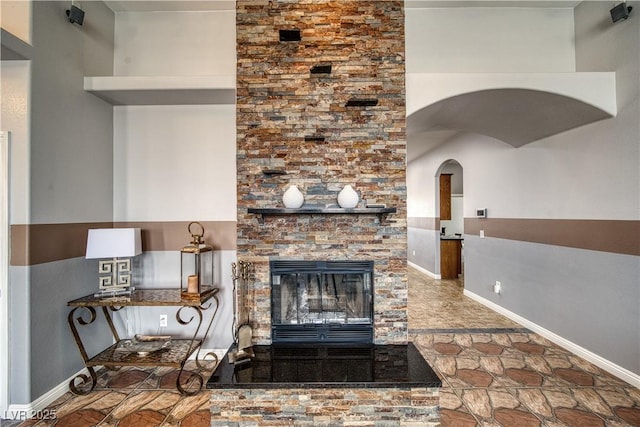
295,121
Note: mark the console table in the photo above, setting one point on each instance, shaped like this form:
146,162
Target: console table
174,354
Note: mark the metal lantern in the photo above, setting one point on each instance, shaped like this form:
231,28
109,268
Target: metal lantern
196,270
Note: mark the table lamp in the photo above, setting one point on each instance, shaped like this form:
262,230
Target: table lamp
119,244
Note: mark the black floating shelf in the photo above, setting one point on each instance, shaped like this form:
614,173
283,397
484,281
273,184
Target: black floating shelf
290,35
380,212
321,69
273,172
314,138
362,102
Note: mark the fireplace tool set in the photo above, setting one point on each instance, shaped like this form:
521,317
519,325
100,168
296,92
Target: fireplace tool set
242,333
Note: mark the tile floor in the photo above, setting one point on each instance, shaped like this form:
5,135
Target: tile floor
131,397
494,372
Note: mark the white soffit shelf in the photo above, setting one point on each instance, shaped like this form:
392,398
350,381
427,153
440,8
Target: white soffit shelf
163,90
516,108
13,48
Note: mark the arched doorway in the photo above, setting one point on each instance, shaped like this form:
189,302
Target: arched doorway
450,203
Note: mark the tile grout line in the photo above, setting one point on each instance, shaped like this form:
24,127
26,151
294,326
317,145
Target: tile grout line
128,394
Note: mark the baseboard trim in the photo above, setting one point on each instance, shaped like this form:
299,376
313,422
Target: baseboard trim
423,270
37,408
601,362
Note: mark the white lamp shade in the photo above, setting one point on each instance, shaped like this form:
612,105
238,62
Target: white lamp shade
113,243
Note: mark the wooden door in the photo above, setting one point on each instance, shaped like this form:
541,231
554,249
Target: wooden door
445,196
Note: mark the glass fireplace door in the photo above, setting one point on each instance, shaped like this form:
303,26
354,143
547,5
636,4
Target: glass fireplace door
307,299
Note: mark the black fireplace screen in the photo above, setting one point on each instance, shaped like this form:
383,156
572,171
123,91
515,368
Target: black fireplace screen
322,301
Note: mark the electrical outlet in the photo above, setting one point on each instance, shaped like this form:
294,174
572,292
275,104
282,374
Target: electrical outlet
482,234
163,320
497,288
414,253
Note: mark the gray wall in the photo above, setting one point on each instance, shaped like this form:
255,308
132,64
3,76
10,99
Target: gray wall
421,244
588,297
70,180
54,355
71,130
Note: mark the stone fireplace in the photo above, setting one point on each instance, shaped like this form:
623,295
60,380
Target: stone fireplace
322,112
321,105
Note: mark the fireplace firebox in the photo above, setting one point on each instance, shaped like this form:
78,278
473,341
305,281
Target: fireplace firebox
321,301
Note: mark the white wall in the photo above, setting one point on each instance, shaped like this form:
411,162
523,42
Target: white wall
564,177
456,223
161,269
14,117
175,43
546,178
176,162
459,39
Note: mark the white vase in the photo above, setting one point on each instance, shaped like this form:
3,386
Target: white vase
348,197
293,198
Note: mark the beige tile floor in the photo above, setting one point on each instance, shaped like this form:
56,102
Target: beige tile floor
494,373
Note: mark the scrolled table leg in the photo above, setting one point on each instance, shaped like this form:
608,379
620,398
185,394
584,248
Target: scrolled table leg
190,388
77,387
81,321
202,362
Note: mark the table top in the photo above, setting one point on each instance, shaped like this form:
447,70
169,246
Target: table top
146,297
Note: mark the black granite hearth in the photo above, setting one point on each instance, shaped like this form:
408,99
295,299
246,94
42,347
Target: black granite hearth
327,366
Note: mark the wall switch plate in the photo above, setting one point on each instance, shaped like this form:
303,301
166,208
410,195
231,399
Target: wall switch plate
497,288
163,320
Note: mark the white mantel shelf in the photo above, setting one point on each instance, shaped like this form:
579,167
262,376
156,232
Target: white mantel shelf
163,90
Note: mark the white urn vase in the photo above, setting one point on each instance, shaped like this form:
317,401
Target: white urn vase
293,198
348,197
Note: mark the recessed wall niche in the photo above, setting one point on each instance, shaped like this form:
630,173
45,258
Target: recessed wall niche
321,69
279,104
290,35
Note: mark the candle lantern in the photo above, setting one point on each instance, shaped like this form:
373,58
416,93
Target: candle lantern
196,268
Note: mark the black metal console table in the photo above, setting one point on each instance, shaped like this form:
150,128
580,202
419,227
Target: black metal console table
174,354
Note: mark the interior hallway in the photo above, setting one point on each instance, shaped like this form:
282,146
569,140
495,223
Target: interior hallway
494,372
